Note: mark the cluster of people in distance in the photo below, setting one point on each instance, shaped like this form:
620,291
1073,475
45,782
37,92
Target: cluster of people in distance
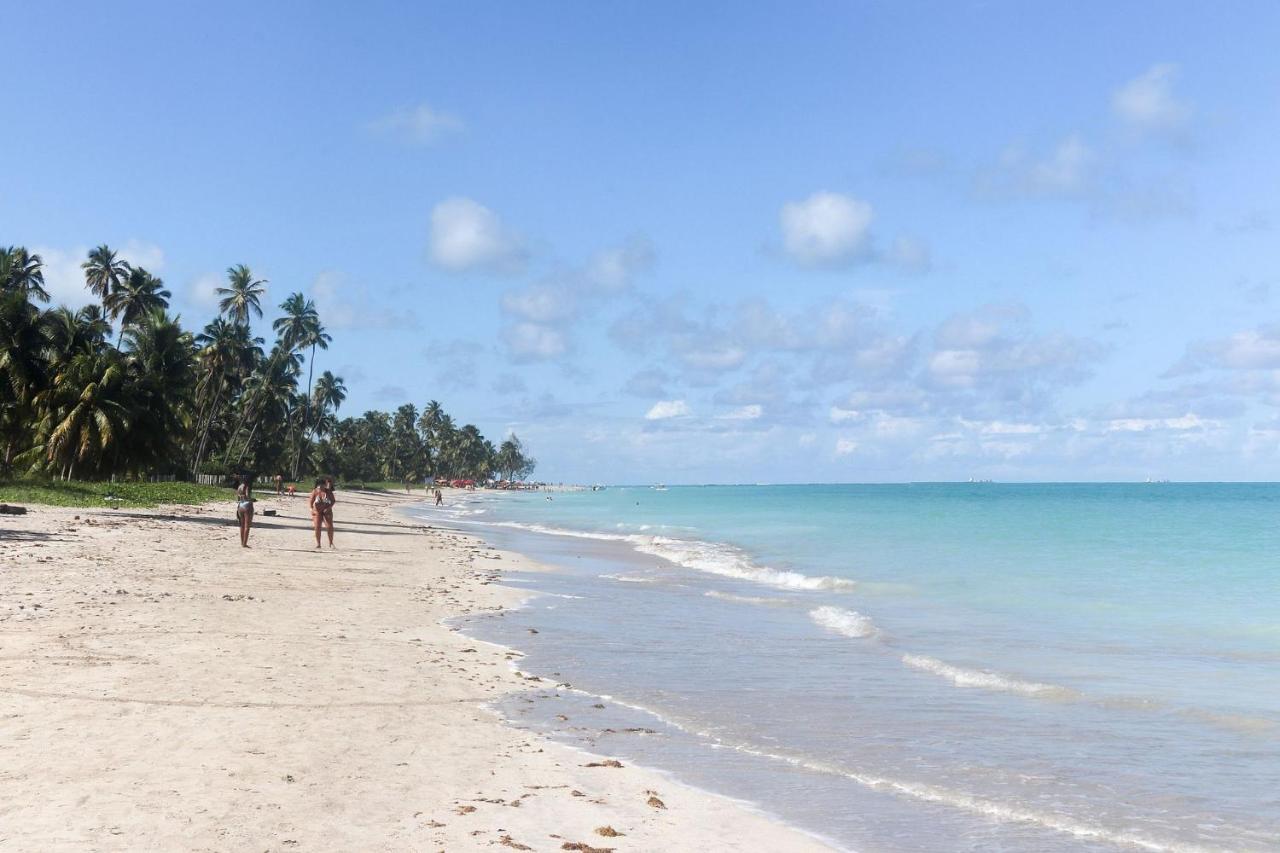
320,502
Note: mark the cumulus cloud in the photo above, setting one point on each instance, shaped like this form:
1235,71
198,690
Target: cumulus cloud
552,307
845,446
347,303
534,341
1067,170
64,277
827,229
1188,421
1148,104
541,303
744,413
203,290
418,125
667,409
465,236
1251,349
991,352
613,270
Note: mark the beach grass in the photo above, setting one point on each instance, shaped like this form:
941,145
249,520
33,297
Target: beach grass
89,494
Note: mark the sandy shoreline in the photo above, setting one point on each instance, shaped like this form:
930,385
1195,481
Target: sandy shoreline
163,689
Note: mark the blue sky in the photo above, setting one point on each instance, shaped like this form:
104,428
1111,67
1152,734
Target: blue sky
707,242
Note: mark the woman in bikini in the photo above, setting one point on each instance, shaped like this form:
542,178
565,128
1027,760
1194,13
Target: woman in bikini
244,508
322,501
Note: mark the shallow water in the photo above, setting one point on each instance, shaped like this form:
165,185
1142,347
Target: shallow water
923,667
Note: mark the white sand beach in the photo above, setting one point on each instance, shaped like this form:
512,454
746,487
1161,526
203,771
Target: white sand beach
163,689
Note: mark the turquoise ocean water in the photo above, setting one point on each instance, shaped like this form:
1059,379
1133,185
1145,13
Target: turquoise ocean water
919,667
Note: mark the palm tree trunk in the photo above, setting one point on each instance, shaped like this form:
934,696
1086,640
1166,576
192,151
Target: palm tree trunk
249,441
306,418
204,437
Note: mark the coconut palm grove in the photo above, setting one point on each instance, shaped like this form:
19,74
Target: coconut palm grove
119,389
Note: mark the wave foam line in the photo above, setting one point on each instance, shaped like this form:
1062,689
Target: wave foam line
987,808
849,623
961,677
711,557
761,600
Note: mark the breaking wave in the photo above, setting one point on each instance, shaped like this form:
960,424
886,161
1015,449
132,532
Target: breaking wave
711,557
850,623
961,677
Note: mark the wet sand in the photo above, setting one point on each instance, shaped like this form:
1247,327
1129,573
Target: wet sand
162,688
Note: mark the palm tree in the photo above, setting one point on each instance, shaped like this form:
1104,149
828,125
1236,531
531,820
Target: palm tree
313,336
329,393
446,443
270,392
104,273
161,361
139,295
69,333
429,426
242,296
23,368
84,414
23,272
299,324
227,355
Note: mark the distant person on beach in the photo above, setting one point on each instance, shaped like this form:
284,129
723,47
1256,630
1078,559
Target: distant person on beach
244,507
321,503
439,498
279,485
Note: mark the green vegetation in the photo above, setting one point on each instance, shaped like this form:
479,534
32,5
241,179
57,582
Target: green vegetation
57,493
119,390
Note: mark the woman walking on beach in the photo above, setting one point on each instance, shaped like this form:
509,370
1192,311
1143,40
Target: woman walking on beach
244,507
322,501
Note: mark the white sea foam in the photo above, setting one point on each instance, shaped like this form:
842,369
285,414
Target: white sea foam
727,561
712,557
988,808
850,623
762,600
962,677
629,578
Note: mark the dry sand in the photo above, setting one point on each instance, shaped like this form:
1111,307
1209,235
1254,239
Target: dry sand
162,688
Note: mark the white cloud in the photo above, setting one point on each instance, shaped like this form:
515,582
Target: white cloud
534,342
466,235
419,124
713,359
1002,427
203,290
665,409
1188,421
838,415
826,229
541,303
1251,349
345,303
1066,170
1147,103
745,413
612,270
64,277
845,446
